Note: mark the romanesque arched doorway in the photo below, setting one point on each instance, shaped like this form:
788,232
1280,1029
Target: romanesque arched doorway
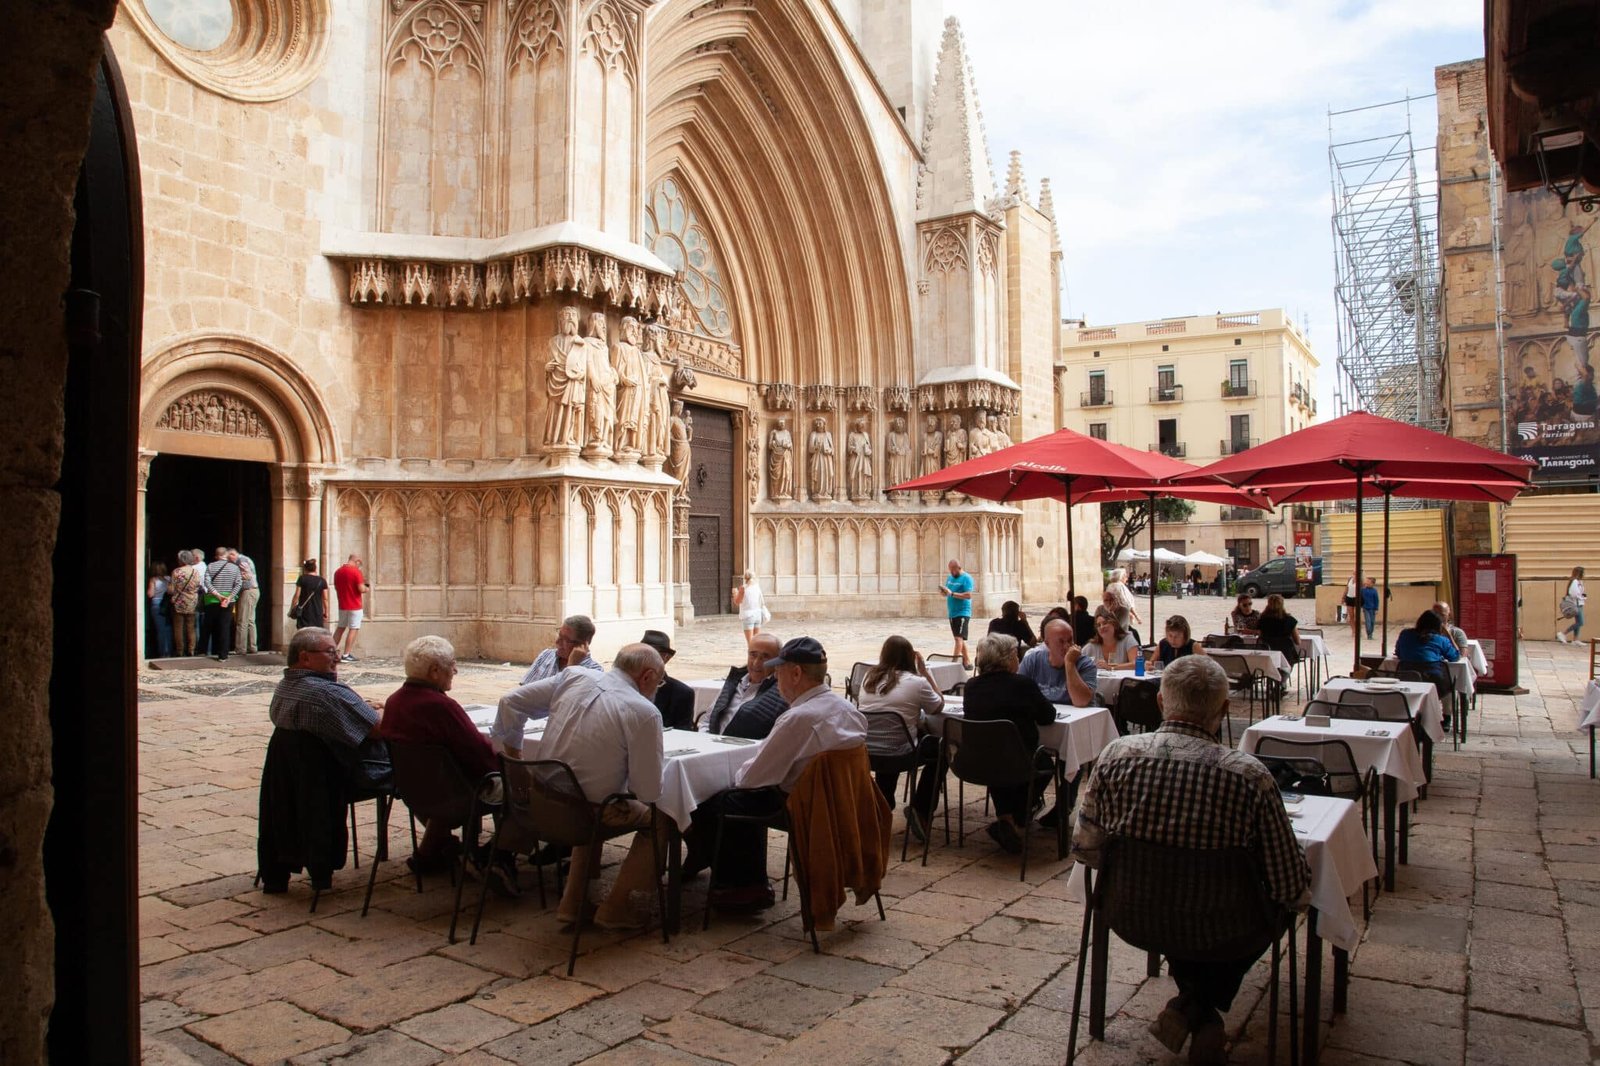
233,442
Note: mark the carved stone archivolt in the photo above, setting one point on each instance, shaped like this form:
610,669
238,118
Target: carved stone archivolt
274,49
523,278
218,413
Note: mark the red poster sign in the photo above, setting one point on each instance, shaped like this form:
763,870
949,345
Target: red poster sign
1486,607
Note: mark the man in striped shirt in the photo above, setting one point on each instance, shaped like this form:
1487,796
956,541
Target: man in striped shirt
222,586
1179,786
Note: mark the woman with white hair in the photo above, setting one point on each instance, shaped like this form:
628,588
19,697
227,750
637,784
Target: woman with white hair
751,603
422,712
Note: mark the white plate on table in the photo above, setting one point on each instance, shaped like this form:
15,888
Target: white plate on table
1383,682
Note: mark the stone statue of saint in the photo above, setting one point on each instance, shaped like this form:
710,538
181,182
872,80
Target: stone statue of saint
657,409
955,441
780,462
680,434
602,406
819,461
979,440
858,461
565,375
897,446
932,446
998,437
632,386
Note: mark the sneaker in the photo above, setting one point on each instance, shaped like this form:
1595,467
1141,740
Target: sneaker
915,827
347,658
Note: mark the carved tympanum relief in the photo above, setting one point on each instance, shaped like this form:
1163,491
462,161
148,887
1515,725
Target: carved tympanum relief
219,413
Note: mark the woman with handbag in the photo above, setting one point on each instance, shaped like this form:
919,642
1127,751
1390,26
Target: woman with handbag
183,592
310,604
752,606
1572,607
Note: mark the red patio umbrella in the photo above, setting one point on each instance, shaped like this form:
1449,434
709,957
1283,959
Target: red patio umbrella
1068,466
1361,453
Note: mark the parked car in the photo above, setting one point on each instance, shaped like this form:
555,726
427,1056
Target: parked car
1275,575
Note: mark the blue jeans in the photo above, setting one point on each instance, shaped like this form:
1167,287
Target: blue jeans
1371,614
1577,623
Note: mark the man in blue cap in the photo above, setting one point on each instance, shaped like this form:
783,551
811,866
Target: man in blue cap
818,720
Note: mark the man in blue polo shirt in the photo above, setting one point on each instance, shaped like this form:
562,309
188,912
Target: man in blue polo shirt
957,591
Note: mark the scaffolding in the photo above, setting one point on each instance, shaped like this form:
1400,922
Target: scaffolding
1386,265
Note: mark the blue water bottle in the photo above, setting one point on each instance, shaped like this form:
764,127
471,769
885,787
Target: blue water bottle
1138,666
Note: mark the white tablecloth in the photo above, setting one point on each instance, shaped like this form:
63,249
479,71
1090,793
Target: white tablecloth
706,691
1336,848
1421,697
1589,709
946,675
706,767
1271,663
1393,755
1078,735
1312,646
1461,674
1108,682
1475,656
1340,857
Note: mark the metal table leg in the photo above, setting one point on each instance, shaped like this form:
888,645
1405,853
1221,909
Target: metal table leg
1389,804
1311,1019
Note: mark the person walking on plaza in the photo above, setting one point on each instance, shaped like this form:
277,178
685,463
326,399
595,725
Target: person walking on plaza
349,584
1572,607
183,590
160,612
957,591
1352,604
310,597
244,625
1120,600
1369,604
222,584
751,603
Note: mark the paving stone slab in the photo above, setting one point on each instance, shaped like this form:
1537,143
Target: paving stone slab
393,993
547,1044
773,1006
268,1033
536,999
1499,1041
384,1048
696,1033
833,973
458,1028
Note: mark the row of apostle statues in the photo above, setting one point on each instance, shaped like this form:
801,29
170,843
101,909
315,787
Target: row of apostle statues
941,447
612,401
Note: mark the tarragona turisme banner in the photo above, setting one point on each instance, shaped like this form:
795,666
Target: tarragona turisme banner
1549,270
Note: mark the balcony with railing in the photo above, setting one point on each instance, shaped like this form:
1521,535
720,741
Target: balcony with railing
1241,514
1235,445
1166,328
1239,389
1172,448
1166,394
1095,398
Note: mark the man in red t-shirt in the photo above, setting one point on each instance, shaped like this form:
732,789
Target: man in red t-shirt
422,712
349,583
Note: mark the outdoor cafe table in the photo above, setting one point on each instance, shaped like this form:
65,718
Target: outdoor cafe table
946,676
1393,755
697,767
1077,736
1330,833
1272,663
1590,710
1463,675
1421,698
706,691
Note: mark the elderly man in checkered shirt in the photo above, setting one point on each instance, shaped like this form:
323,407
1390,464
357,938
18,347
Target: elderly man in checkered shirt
1179,786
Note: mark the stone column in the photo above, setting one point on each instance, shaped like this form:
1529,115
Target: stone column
141,499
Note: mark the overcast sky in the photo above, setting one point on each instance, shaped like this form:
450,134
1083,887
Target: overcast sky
1187,142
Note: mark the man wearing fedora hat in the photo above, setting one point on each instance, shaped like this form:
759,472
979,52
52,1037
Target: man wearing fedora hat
674,699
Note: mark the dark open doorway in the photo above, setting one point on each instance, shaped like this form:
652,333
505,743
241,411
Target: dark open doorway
193,502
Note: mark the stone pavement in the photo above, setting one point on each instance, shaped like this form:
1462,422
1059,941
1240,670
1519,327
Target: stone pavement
1486,953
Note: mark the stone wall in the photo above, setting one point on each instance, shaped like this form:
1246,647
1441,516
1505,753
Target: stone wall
47,61
1472,379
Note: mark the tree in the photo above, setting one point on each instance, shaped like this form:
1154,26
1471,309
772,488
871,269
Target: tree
1122,523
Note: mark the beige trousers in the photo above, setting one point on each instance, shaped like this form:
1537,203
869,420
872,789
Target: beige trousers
638,873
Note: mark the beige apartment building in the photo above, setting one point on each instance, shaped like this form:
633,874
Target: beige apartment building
1197,389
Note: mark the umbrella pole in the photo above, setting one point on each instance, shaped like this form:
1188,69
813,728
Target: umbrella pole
1356,627
1385,602
1151,622
1072,585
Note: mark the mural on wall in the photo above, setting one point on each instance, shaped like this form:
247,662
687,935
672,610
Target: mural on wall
1550,380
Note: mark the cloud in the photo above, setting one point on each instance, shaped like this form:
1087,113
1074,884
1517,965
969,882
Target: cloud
1187,143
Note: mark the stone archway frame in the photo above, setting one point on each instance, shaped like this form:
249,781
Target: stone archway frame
291,407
